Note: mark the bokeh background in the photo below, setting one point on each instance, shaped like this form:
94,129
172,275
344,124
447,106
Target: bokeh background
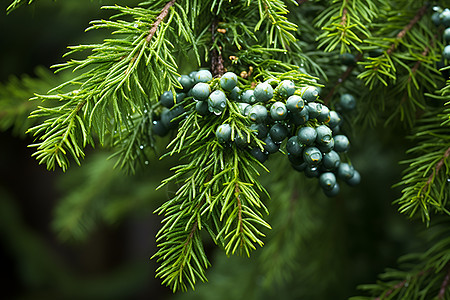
89,233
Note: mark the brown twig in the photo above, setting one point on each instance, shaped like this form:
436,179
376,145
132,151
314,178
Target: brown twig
238,192
444,284
300,2
159,19
217,67
401,284
438,166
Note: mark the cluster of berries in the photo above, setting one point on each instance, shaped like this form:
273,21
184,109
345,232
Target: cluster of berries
442,17
276,111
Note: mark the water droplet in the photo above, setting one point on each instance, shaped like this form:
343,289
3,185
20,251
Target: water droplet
340,80
146,162
141,147
145,111
136,25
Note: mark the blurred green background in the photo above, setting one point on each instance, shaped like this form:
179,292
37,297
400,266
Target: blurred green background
90,233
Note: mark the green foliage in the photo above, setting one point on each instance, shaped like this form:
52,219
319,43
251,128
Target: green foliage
16,3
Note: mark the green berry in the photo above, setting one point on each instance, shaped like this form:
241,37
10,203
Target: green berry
169,118
180,97
261,130
186,82
244,108
327,180
241,140
235,94
202,107
223,133
217,102
299,118
345,171
293,146
307,135
435,17
335,119
446,52
310,93
286,88
341,143
166,99
295,103
324,135
258,113
203,76
158,128
355,179
263,92
331,160
248,97
311,171
327,147
347,102
445,17
228,81
278,111
201,91
324,115
259,155
312,156
300,167
270,147
447,34
333,192
314,109
278,133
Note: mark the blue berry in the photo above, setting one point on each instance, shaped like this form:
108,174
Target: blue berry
324,115
341,143
355,179
166,99
295,103
201,91
307,135
158,128
168,117
301,167
295,160
228,81
327,180
333,192
327,147
310,93
447,34
263,92
347,102
331,160
445,17
261,130
300,118
186,82
258,113
446,52
278,111
217,102
345,171
241,140
235,94
270,147
311,171
248,97
244,108
293,146
335,119
314,109
223,133
312,156
202,107
259,155
286,88
278,133
435,17
203,76
324,135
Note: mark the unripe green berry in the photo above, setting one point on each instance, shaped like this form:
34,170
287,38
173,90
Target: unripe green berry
312,156
345,171
223,133
299,118
201,91
295,103
248,96
331,160
327,180
202,107
235,94
166,99
333,192
324,135
293,146
286,88
217,102
324,115
355,179
168,117
341,143
158,128
278,111
241,140
258,113
327,147
335,119
270,146
314,109
228,81
278,133
259,155
203,76
445,17
307,135
261,130
186,82
311,171
310,93
347,102
435,17
263,92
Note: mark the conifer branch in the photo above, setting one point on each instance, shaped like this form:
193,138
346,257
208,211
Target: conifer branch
159,19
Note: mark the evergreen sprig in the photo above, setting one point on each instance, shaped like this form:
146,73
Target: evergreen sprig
16,3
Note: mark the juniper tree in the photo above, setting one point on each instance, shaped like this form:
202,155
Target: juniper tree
293,79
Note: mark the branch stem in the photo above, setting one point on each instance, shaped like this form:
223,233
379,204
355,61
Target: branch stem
159,19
